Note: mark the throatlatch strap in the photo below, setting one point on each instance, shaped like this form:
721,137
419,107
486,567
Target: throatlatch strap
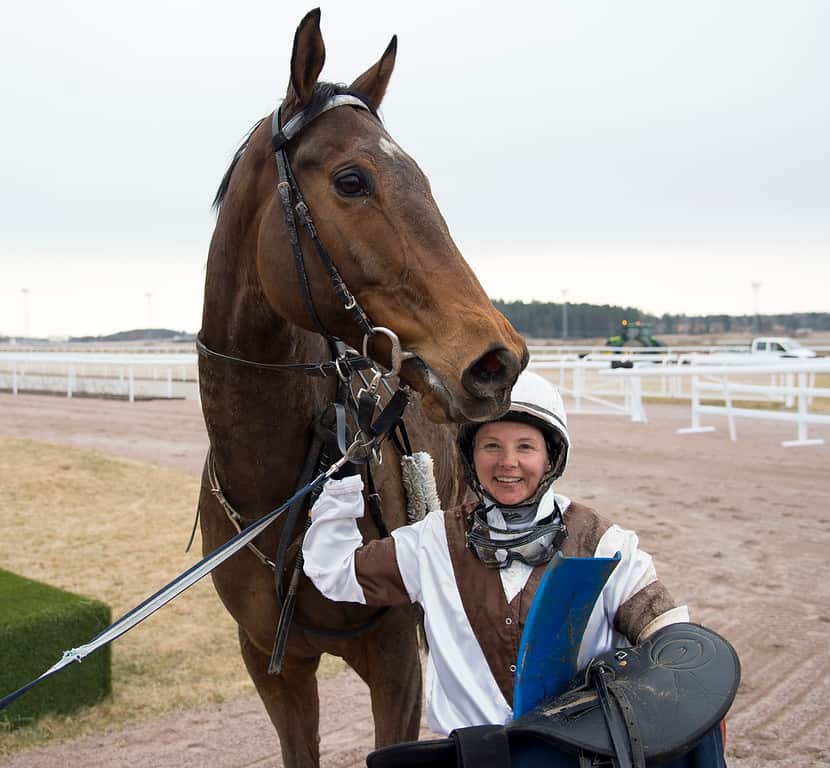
342,366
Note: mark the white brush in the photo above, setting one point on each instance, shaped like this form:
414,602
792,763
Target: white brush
419,484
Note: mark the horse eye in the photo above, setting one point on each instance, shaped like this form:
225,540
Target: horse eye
353,182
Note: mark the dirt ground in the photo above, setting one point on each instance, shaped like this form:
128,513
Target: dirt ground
740,531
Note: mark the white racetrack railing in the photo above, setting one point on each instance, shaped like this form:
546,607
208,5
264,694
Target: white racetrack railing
729,382
584,392
101,374
588,383
593,387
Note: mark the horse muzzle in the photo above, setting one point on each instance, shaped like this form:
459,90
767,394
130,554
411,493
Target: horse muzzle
485,388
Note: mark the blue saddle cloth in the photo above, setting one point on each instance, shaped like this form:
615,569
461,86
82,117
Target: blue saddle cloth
707,754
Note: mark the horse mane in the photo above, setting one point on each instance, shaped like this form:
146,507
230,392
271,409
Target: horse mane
321,94
226,179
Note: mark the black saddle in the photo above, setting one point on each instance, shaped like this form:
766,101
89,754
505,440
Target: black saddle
635,707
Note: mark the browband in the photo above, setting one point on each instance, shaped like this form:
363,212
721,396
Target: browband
280,137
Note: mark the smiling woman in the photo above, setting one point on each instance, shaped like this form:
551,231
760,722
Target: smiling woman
476,568
510,460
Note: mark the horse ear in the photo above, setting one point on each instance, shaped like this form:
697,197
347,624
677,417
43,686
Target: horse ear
371,85
307,59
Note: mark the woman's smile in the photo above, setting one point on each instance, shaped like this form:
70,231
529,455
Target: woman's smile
510,459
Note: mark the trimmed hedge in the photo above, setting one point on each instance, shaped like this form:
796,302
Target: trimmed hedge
37,624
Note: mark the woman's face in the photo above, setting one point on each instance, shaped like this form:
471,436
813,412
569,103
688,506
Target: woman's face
510,460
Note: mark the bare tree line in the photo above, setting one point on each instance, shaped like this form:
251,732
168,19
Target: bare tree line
589,321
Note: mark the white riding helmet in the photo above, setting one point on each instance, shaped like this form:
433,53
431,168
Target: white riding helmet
535,401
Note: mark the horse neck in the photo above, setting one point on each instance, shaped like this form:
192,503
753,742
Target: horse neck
259,422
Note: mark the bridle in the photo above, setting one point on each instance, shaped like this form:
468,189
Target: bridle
346,361
295,208
287,188
345,364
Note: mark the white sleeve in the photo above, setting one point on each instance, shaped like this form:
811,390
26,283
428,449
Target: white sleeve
634,573
635,570
331,541
409,546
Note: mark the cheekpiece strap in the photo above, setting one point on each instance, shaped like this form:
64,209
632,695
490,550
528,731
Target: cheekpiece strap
287,187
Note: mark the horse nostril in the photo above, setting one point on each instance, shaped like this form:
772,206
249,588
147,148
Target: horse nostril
490,364
492,375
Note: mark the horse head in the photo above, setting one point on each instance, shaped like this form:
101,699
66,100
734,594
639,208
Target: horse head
373,210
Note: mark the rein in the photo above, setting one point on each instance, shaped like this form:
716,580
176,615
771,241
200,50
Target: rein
361,445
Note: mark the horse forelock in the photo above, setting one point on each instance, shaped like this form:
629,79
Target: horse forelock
319,98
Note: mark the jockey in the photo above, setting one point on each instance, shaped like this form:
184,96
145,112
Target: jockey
474,569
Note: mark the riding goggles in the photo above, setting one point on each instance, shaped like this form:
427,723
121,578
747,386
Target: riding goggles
498,547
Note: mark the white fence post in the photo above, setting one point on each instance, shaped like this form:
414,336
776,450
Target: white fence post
638,413
579,387
695,411
803,415
131,384
789,401
730,416
14,377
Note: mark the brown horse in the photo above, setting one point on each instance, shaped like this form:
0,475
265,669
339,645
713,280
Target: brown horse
375,216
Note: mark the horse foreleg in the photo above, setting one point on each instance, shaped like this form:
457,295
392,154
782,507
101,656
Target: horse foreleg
291,701
388,661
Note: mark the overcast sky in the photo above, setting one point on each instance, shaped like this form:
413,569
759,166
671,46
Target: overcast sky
655,153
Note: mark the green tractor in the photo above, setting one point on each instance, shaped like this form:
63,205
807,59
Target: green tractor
636,334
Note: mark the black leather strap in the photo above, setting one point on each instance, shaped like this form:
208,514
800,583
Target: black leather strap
618,724
287,188
391,415
375,504
401,443
342,367
482,745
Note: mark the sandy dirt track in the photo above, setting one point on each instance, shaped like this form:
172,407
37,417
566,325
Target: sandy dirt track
740,531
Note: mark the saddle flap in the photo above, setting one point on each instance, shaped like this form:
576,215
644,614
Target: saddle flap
679,684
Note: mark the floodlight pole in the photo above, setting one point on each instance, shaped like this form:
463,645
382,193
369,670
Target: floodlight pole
564,314
756,285
149,296
25,292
